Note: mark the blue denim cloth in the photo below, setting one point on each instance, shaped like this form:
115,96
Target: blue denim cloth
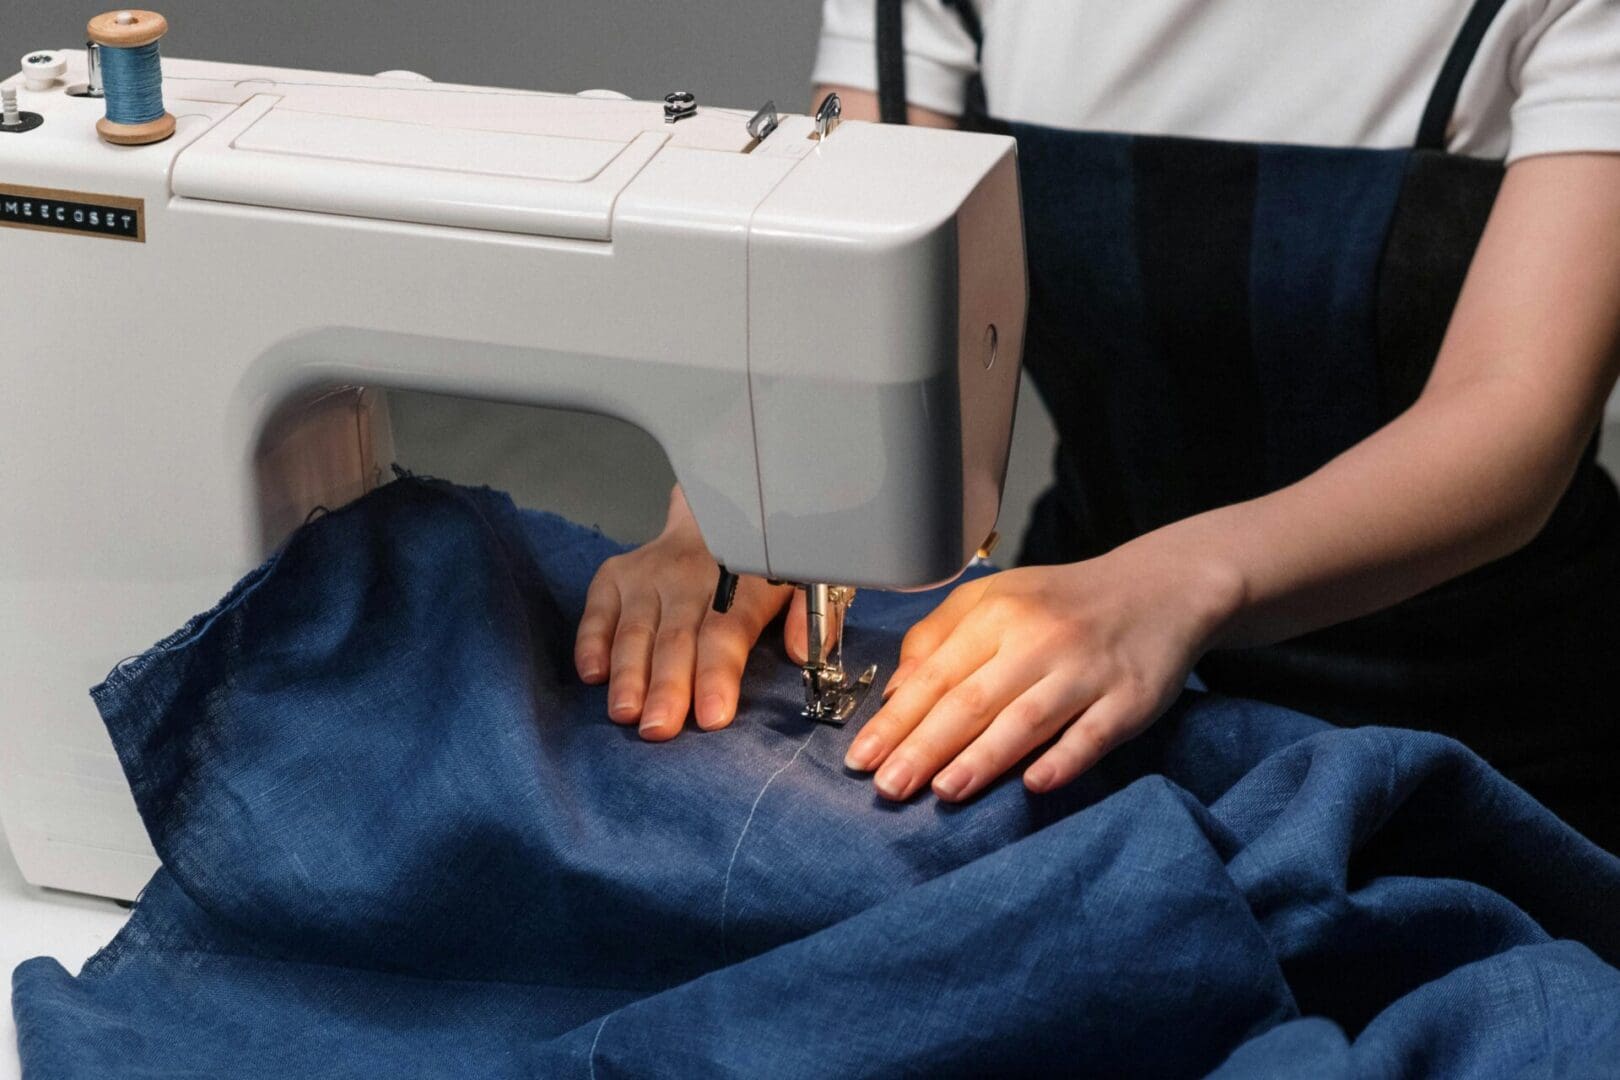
401,839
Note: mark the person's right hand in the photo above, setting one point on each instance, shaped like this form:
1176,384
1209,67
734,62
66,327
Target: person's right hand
650,630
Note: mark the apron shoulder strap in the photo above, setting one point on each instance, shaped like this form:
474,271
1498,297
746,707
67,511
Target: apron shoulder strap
1443,98
891,62
891,58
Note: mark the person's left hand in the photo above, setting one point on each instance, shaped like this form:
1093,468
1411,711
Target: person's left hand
1091,652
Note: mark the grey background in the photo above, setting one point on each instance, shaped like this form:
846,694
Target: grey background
731,52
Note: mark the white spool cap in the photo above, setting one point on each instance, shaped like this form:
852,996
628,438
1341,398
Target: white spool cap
42,67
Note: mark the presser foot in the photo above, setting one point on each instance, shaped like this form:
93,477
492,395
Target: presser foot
831,696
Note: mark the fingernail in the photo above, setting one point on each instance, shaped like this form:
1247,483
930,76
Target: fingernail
951,783
863,752
623,709
1039,777
894,780
590,668
711,712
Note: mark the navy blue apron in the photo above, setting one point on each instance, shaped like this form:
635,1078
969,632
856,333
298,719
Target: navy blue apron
1213,320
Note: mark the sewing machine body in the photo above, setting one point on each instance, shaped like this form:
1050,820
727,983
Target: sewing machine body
823,335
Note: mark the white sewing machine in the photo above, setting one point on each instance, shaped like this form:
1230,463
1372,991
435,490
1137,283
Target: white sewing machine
822,330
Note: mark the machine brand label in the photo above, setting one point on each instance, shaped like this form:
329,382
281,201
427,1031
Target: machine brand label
79,212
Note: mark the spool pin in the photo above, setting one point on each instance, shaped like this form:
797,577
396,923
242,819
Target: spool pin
131,29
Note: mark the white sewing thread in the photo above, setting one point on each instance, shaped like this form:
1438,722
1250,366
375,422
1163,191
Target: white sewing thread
590,1059
725,891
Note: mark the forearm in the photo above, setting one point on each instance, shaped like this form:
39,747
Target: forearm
1467,476
1469,473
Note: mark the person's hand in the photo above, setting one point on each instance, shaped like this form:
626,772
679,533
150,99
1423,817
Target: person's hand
1090,653
651,632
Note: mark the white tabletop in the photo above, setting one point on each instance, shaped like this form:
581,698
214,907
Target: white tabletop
43,922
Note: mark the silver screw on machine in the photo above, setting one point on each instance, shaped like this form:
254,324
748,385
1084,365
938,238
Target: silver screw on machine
678,105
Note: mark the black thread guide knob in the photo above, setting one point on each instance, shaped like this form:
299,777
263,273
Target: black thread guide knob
725,591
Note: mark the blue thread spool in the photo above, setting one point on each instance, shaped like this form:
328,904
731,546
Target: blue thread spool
131,76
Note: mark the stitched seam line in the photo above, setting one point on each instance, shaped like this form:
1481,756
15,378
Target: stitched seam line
725,891
590,1059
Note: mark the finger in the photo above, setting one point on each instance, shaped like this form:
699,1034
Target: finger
901,670
954,722
796,632
962,654
1026,723
932,629
631,659
594,642
669,696
1088,740
723,647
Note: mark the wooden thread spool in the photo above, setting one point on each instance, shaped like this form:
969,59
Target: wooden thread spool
134,32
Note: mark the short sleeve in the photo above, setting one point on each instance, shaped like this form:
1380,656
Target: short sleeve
940,56
1569,81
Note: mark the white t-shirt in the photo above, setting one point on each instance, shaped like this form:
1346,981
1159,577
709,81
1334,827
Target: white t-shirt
1546,79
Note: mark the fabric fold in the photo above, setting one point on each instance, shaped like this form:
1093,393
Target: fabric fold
400,837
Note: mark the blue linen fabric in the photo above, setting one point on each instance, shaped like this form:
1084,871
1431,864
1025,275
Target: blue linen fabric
399,838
